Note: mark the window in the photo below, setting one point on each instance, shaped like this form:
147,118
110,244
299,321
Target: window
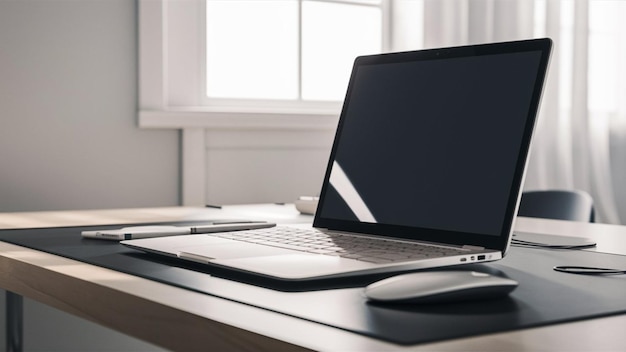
298,50
607,54
260,62
181,87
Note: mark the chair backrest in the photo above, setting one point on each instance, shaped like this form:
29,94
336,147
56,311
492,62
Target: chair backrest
570,205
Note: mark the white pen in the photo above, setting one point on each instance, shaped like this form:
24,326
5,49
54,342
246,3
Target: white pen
135,232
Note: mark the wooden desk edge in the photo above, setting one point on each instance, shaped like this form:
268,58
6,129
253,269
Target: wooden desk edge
167,316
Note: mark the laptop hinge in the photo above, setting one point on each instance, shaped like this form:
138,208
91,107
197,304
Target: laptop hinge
473,248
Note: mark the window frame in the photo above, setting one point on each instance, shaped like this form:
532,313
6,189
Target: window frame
167,65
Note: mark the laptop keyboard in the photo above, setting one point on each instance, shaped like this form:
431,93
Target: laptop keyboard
371,250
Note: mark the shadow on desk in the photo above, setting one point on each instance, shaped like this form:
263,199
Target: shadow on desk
287,286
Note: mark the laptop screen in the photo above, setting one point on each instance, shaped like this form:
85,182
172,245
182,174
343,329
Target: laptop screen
434,141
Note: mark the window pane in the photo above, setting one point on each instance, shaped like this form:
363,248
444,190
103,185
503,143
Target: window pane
252,49
566,62
607,54
332,36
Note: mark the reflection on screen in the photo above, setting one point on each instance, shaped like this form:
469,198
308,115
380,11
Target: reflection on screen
350,196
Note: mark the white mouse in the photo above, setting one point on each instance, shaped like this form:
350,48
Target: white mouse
439,286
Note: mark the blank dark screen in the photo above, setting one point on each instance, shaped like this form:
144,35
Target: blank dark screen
435,143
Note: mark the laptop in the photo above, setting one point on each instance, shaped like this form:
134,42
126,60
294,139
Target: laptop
425,171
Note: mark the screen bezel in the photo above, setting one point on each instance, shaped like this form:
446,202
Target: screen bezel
501,240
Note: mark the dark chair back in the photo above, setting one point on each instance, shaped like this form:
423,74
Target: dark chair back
557,204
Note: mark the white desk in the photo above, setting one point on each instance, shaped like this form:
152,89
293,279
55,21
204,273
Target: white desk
185,320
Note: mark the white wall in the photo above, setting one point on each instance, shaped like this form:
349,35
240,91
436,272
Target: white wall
68,102
265,166
68,135
617,153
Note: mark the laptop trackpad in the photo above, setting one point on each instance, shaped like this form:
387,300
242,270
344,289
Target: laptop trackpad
208,253
297,266
271,261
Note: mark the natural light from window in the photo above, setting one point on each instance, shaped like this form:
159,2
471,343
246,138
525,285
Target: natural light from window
332,36
287,49
607,54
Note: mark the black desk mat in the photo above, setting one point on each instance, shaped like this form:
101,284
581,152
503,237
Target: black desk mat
544,296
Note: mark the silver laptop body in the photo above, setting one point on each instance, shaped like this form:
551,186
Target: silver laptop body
425,171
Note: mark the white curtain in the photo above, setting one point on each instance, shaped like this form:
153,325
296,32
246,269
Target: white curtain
575,145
